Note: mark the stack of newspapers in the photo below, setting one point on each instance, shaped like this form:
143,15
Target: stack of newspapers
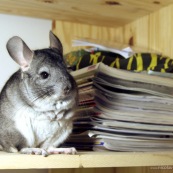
121,110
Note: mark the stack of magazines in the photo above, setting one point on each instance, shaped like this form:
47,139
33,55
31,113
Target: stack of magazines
121,110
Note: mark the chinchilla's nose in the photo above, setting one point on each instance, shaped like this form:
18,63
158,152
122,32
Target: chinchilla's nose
68,84
67,89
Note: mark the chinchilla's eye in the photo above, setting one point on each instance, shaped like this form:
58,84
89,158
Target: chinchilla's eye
44,75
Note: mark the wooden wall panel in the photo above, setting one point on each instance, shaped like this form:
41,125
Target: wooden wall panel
152,32
68,31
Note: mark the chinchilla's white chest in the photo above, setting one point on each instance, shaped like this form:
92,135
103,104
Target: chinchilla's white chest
42,129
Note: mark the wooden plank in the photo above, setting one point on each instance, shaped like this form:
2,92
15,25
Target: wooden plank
86,160
67,31
120,37
22,161
104,12
119,159
82,170
157,169
152,32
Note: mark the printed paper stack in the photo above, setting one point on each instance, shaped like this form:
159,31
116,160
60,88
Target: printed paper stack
122,111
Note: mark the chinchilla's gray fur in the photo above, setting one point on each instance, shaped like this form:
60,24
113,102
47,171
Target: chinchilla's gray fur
38,102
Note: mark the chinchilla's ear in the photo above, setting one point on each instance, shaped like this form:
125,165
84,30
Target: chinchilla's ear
20,52
55,42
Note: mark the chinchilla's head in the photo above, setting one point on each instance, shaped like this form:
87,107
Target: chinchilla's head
44,76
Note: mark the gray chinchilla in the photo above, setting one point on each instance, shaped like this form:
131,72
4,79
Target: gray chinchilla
38,102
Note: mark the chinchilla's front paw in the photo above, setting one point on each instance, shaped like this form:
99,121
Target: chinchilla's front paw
64,105
34,151
71,150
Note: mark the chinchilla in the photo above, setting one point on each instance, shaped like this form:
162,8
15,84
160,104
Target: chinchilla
38,102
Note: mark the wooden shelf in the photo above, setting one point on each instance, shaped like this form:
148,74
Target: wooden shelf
103,12
126,159
85,160
22,161
152,31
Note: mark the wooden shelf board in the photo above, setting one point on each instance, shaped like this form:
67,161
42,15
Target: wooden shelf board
85,160
22,161
126,159
104,12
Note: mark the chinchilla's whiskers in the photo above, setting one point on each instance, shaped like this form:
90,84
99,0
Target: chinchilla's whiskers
39,97
38,94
